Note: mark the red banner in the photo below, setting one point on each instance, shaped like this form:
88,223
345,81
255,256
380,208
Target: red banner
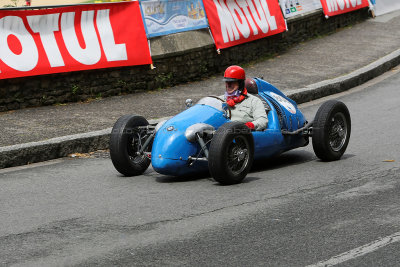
234,22
34,42
337,7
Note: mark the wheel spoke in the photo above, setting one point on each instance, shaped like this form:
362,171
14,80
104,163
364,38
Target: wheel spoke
338,132
135,142
237,155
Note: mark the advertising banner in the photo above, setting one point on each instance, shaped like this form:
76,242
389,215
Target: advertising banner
34,42
291,8
337,7
234,22
169,16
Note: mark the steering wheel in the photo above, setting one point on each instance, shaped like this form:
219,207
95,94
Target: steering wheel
228,110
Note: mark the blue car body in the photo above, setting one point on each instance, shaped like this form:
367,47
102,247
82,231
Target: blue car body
172,150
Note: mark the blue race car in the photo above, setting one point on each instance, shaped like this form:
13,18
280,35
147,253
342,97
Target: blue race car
203,137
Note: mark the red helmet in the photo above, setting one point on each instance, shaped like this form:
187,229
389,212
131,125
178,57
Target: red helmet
234,73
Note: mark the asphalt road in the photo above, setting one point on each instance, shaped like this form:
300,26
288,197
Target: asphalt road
293,210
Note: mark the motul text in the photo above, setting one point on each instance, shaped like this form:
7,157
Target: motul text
335,5
34,42
233,22
236,17
45,26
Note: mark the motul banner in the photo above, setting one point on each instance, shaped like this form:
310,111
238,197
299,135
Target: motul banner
34,42
234,22
336,7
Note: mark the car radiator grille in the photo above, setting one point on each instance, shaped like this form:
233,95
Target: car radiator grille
281,115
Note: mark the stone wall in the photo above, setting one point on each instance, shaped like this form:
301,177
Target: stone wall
178,58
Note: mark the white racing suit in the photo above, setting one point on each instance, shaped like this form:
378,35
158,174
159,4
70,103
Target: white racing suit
251,109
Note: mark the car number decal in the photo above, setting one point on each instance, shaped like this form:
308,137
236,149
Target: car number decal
284,102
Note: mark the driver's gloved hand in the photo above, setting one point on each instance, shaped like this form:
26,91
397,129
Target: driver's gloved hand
231,102
250,125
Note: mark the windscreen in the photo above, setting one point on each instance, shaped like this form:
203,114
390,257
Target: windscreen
212,102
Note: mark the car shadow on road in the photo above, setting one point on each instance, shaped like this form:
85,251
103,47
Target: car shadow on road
190,178
182,179
347,156
344,157
290,158
287,159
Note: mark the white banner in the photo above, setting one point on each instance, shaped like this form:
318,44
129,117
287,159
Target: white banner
386,6
291,8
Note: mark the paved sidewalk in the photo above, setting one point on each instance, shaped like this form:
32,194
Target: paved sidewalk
305,64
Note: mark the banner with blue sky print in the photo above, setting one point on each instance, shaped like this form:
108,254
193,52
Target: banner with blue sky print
171,16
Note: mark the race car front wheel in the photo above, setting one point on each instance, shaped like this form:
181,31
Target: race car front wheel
231,153
331,130
125,142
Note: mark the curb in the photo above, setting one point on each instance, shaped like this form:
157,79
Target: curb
345,82
22,154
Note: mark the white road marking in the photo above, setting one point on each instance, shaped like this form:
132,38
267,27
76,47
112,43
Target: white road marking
360,251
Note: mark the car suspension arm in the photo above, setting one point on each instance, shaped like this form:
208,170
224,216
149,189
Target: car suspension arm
147,142
202,145
304,130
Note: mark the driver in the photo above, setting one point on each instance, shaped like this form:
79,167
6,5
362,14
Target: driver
245,108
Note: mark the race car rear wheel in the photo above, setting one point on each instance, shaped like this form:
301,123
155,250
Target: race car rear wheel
231,153
331,130
125,141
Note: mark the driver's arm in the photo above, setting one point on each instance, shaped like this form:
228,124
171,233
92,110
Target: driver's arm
259,115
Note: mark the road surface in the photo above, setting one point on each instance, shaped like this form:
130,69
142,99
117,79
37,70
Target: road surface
293,210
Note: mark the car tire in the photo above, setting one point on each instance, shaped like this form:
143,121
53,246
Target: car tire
122,149
331,130
231,153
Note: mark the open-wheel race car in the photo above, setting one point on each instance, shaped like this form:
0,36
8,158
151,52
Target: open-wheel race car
203,137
